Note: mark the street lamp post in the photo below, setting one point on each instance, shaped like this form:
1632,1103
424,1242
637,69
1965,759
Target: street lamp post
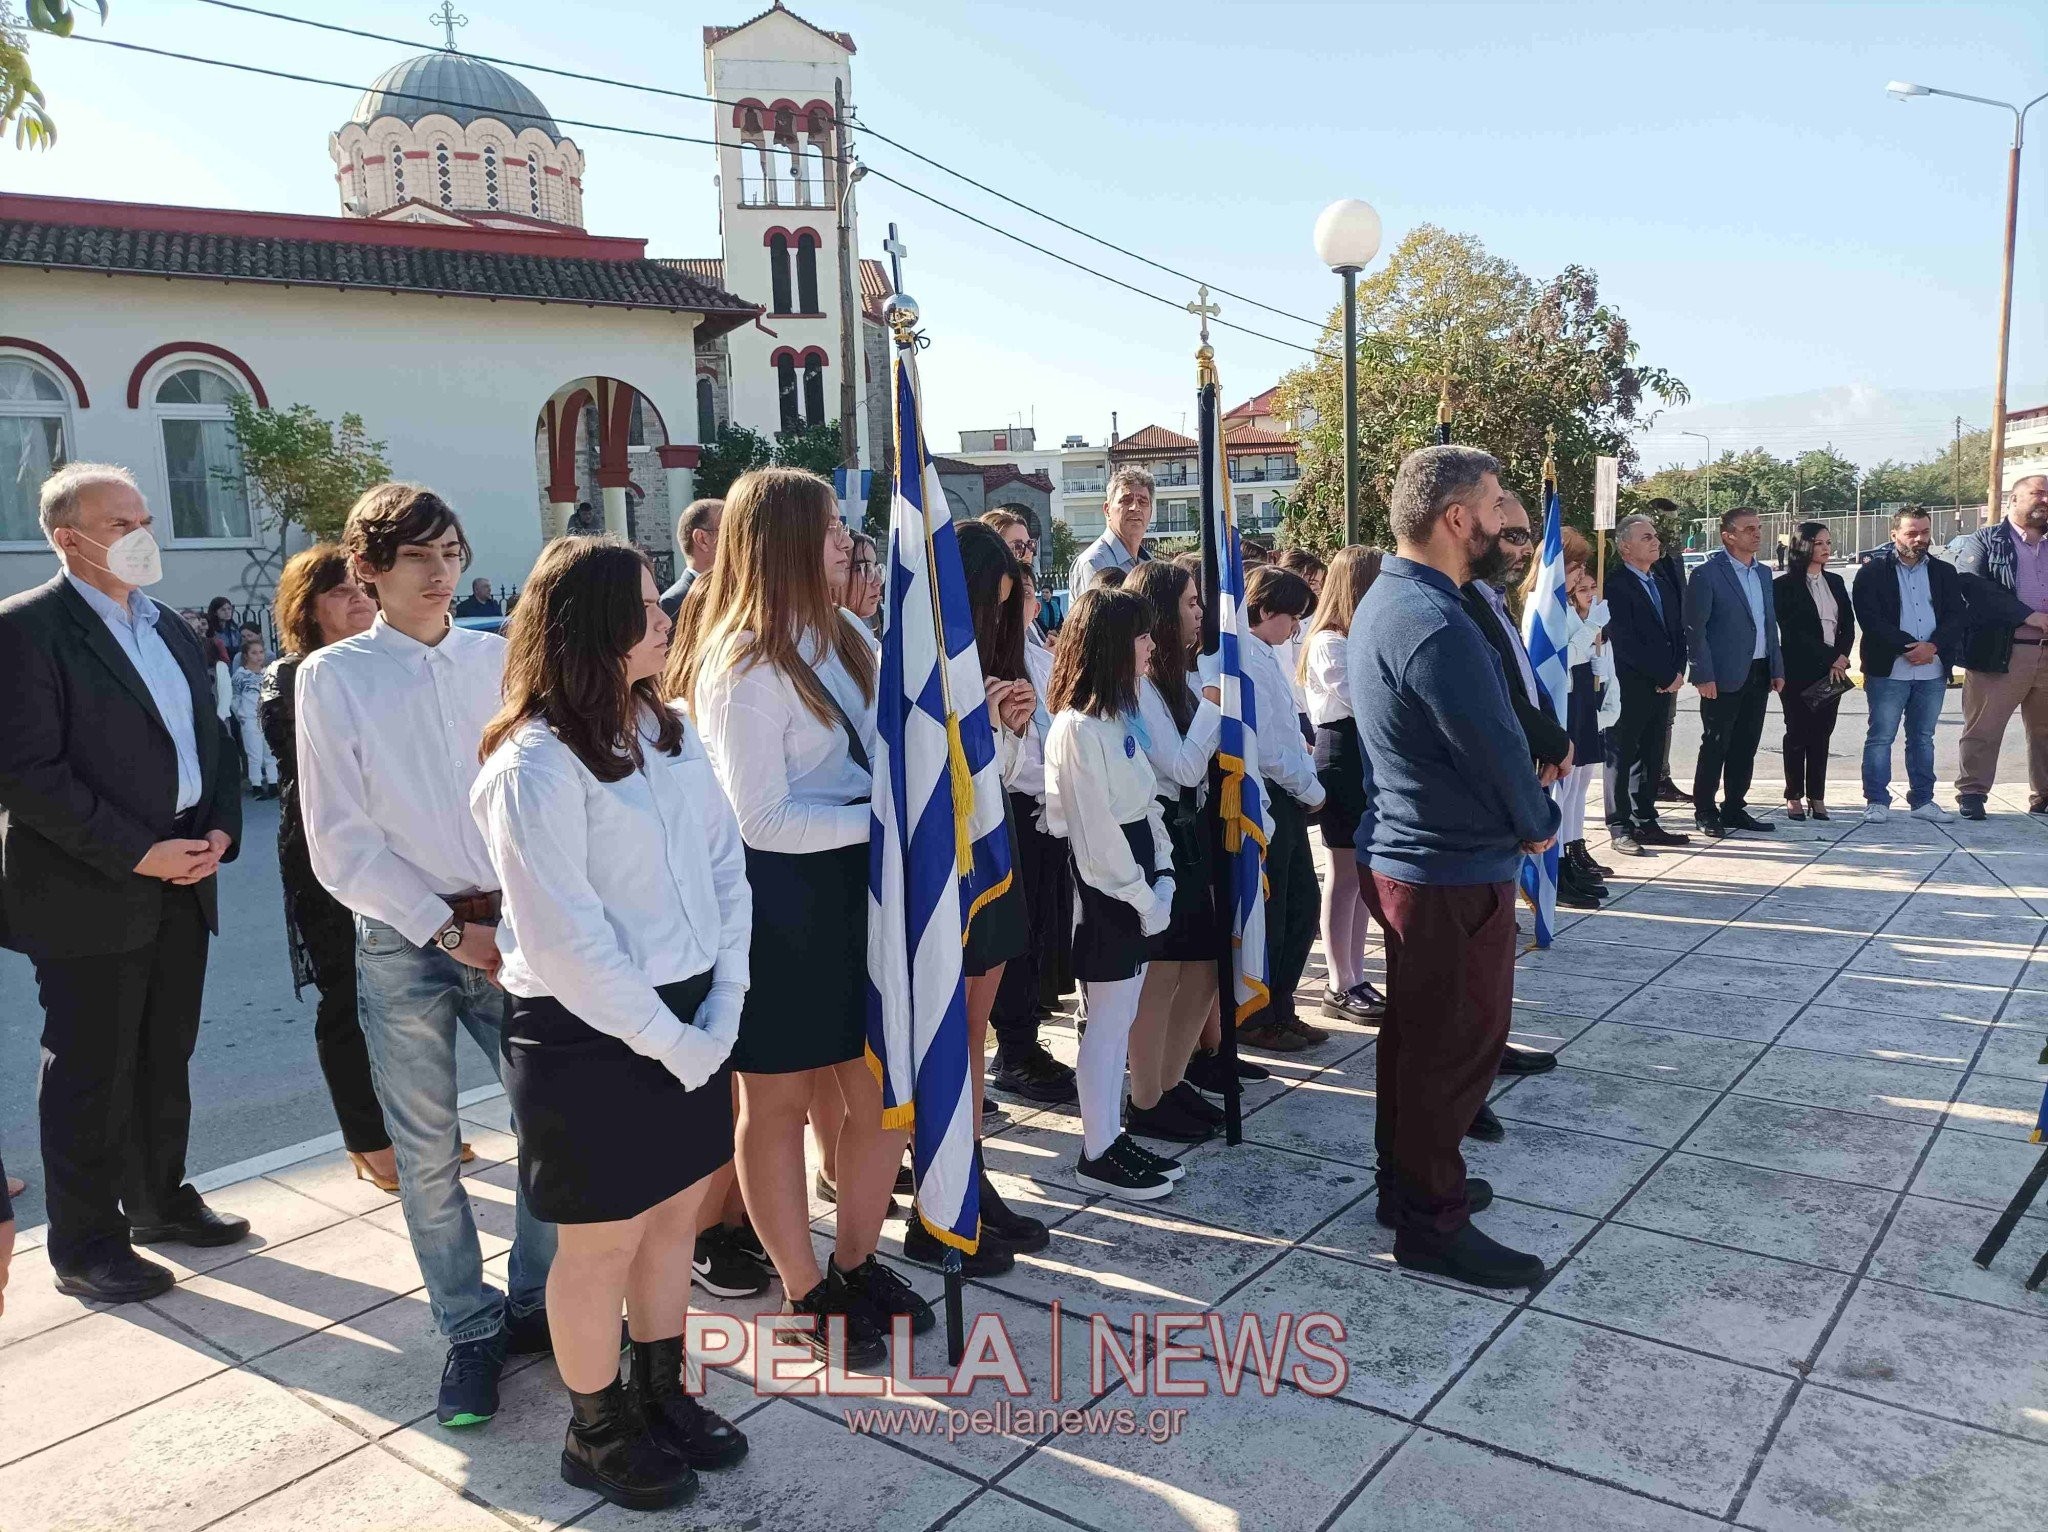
1709,465
1347,237
1905,90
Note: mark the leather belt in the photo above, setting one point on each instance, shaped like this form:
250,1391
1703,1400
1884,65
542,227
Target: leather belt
476,909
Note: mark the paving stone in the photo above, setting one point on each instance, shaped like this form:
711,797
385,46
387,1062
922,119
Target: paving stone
1891,994
1711,906
995,1511
1681,1427
1642,1111
1660,1053
331,1179
1974,1168
367,1489
1893,1039
1783,944
1849,1464
1575,954
277,1215
1812,1141
1438,1484
1569,994
33,1303
1975,920
1964,1361
1772,1212
1356,1235
1944,960
1321,1116
1546,1031
2026,1008
68,1380
1256,1190
1908,1092
1996,1105
1571,1171
377,1371
1691,1010
2015,1054
1744,978
1930,1245
1622,924
1824,910
1745,1307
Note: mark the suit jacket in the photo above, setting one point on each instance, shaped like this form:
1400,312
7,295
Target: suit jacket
672,598
1644,644
1720,631
1808,656
89,778
1547,738
1877,608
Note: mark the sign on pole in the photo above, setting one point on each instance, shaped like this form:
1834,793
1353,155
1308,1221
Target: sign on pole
1606,481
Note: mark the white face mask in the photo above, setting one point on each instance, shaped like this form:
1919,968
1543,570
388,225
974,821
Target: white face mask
134,559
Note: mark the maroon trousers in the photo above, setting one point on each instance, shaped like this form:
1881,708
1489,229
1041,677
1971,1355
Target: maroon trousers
1450,989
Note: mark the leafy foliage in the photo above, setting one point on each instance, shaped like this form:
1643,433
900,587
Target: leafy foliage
817,448
21,99
1065,548
305,471
736,450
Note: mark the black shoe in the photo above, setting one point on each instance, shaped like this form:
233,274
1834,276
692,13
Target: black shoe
1581,881
1208,1073
1742,819
1712,829
1971,805
831,1301
699,1436
1372,999
469,1382
1349,1005
1795,812
2039,806
748,1243
1573,895
123,1277
1582,859
1034,1074
1196,1105
1486,1127
528,1334
1170,1168
1166,1120
1469,1256
1023,1235
1817,809
1478,1198
885,1297
611,1449
722,1269
1669,791
923,1248
202,1226
1657,835
1526,1061
1119,1172
1625,843
991,1113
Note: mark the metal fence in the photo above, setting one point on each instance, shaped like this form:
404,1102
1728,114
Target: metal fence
1854,533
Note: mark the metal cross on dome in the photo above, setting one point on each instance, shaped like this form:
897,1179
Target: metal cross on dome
898,252
448,19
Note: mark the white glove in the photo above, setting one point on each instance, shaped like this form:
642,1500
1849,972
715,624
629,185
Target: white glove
719,1012
1160,916
1321,797
1596,615
1209,668
694,1057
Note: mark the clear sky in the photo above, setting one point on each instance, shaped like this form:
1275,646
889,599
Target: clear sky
1766,217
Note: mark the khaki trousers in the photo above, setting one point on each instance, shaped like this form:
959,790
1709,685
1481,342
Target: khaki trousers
1988,703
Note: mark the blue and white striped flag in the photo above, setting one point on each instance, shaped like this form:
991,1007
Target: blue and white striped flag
851,487
1241,805
1543,635
939,846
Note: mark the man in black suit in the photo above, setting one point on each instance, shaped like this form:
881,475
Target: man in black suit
1646,625
118,802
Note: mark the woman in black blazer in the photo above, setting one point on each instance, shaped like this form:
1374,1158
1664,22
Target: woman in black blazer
1816,643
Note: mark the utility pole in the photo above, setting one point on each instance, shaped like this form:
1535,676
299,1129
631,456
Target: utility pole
849,355
1956,470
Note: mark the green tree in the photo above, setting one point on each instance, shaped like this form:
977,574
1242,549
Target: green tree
21,99
733,451
1935,480
305,471
1065,549
817,448
1519,359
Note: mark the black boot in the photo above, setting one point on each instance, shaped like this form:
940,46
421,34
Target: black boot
609,1449
699,1436
1023,1235
1584,860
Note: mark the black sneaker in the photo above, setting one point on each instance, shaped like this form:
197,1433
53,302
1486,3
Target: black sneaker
830,1304
469,1382
527,1334
1034,1074
923,1248
1172,1169
1122,1170
1469,1256
748,1243
1196,1105
722,1269
1657,835
1713,829
882,1296
1742,819
1486,1128
1970,805
1168,1120
1207,1072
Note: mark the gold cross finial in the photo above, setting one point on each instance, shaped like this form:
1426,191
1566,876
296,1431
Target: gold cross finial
448,19
1549,453
1204,310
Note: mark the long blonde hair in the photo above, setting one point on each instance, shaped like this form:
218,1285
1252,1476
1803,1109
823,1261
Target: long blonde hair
1345,582
768,583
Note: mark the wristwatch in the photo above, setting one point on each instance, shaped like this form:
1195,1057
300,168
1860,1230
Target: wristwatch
449,937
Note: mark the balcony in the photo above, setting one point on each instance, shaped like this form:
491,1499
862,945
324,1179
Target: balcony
1083,486
760,191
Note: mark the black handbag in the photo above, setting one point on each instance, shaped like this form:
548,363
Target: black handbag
1827,689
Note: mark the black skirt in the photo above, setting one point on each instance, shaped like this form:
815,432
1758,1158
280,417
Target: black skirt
807,997
1109,936
1582,717
606,1133
1340,767
1192,935
1001,929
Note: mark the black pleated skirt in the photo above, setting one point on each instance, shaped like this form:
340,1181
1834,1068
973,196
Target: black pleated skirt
807,994
606,1133
1001,929
1193,935
1109,938
1340,767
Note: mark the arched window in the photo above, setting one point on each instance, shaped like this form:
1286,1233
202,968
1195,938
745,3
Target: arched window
491,175
814,388
359,178
202,465
707,410
786,391
444,175
398,172
807,273
533,182
778,273
34,435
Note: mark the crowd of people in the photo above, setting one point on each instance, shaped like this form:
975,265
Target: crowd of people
592,844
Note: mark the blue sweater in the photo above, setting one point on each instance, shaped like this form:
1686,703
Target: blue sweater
1450,791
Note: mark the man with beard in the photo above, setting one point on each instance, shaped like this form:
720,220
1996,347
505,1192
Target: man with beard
1452,806
2004,667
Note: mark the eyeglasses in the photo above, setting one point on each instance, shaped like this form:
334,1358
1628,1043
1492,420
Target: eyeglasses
1517,536
863,566
1025,547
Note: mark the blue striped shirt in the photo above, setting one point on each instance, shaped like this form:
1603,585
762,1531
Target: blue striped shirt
134,629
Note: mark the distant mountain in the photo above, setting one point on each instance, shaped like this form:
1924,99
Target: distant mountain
1863,423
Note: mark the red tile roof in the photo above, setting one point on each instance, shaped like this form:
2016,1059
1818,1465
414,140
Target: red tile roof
1258,404
717,34
1153,439
1235,437
993,479
874,288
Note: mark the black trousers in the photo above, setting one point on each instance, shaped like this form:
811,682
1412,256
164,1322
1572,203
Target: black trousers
1807,732
1293,903
1731,726
115,1099
329,934
1033,984
1636,745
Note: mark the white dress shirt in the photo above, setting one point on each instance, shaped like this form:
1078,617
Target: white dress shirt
1283,753
133,628
1178,760
614,888
1098,781
388,737
790,775
1290,666
1327,685
1026,773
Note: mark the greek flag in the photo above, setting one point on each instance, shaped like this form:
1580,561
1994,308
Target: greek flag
1240,804
939,846
1543,620
850,486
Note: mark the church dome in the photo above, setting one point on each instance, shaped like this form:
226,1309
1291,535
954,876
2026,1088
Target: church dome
470,89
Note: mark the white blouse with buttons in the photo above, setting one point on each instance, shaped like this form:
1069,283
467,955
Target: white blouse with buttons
1097,781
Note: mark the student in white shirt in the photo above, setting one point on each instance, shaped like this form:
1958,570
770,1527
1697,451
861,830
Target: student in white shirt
1340,767
626,925
1100,794
1181,730
1312,569
782,684
1275,600
388,728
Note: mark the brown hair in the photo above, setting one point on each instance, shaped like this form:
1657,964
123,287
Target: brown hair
386,517
986,560
311,574
581,614
1576,549
1002,517
1095,666
768,582
1350,575
1273,589
696,518
1162,583
1301,562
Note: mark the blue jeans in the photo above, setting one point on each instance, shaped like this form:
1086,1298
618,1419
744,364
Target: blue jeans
413,999
1919,703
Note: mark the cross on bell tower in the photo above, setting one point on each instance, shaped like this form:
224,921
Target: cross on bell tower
448,19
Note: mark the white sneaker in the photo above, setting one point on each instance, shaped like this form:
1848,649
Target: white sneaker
1877,813
1934,813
